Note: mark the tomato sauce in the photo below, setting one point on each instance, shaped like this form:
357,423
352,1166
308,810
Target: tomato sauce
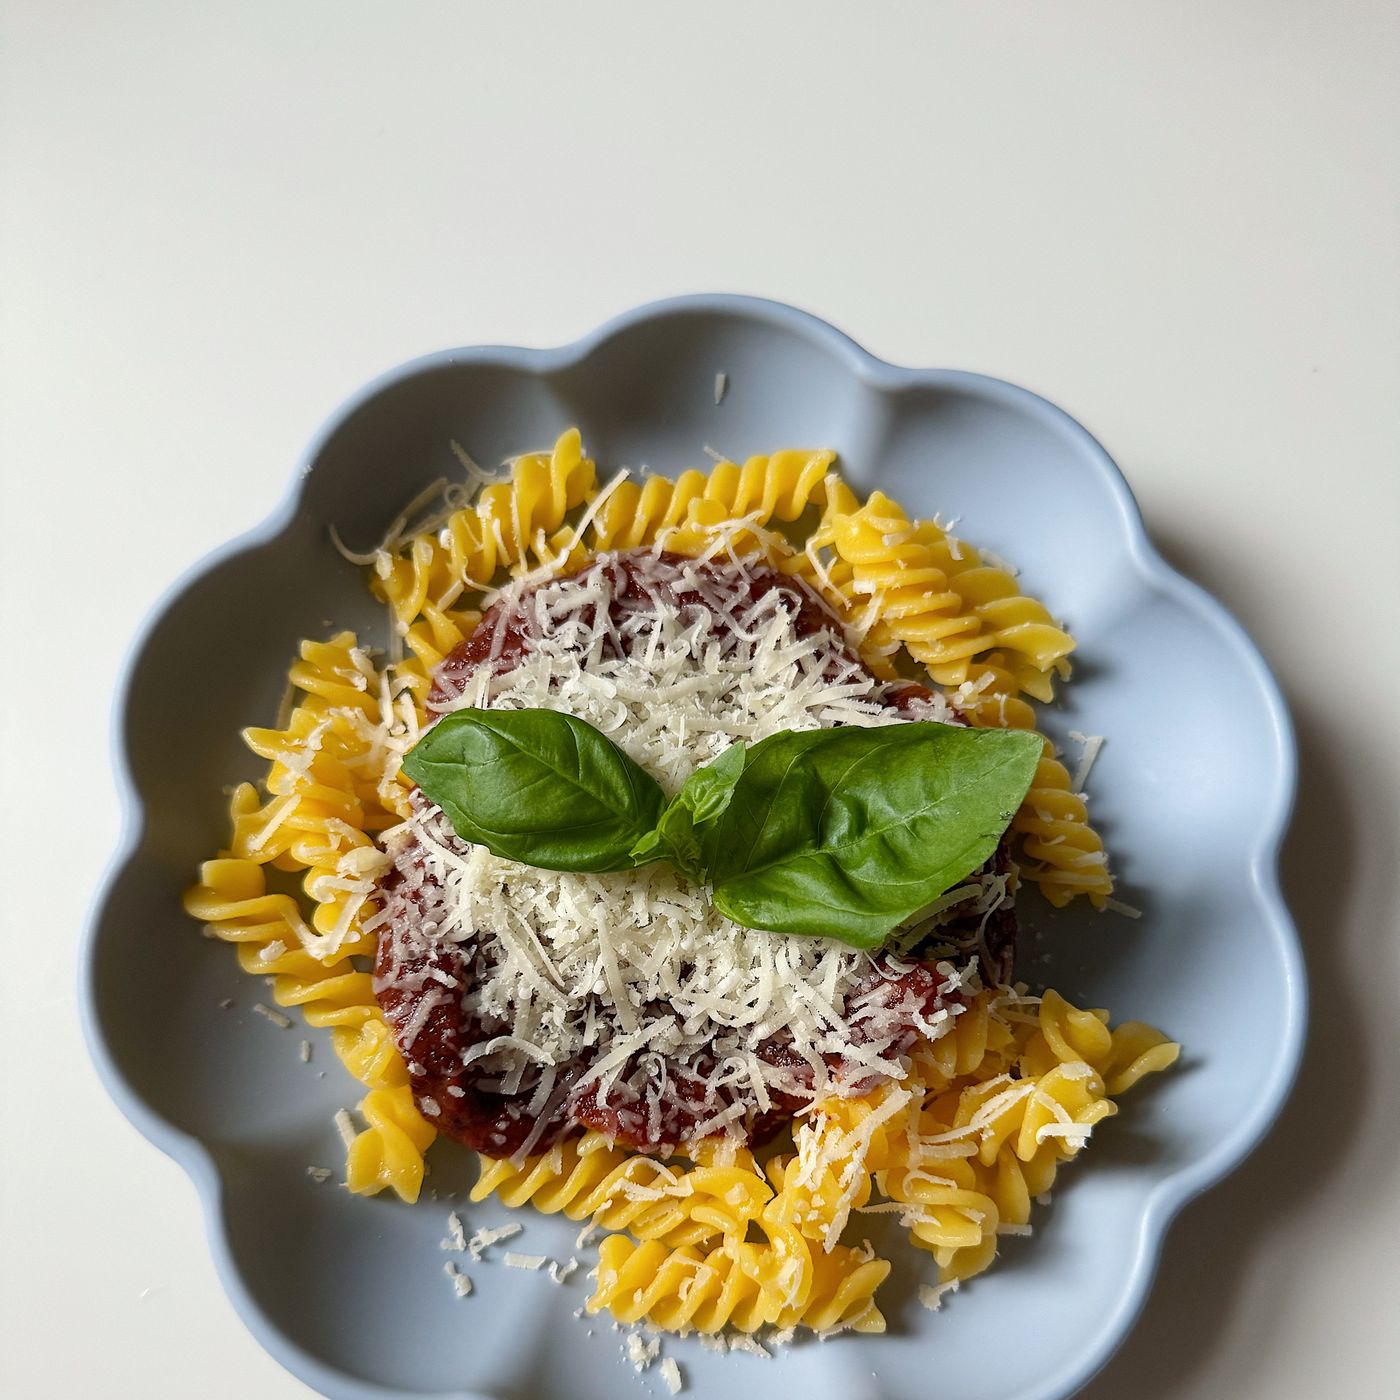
463,1104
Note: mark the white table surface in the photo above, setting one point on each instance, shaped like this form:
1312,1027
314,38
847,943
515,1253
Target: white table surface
1179,220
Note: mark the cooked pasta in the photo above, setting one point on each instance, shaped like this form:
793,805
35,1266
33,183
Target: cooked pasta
778,1283
683,1289
589,1179
389,1153
946,603
957,1132
502,528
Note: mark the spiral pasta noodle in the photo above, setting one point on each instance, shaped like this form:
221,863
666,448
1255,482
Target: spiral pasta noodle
501,529
946,603
686,514
978,1040
682,1289
740,1285
1053,824
589,1179
836,1149
635,514
389,1153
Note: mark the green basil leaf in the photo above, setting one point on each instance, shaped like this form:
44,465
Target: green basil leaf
847,832
538,787
704,797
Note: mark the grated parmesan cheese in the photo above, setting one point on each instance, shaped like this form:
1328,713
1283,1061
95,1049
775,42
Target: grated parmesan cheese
276,1017
485,1237
671,1375
456,1236
931,1295
1090,744
641,1351
742,1342
636,972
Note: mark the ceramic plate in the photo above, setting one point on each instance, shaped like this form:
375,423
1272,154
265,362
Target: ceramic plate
1192,791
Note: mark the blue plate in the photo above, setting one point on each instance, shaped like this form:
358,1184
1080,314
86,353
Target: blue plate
1193,791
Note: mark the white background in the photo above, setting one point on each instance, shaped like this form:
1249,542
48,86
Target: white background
1178,220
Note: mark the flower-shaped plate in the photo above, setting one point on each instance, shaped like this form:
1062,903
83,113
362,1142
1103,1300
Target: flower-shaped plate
1192,790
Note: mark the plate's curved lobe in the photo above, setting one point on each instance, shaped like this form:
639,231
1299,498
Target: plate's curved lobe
349,1293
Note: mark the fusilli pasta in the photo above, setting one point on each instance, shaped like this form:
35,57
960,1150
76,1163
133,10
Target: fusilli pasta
740,1285
588,1178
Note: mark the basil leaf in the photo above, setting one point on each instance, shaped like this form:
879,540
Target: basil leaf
704,797
538,787
847,832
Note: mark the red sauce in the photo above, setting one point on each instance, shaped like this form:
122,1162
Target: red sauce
457,1098
502,637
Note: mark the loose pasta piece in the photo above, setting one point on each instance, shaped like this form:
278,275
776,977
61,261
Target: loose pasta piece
1053,824
683,1289
389,1153
504,528
740,1285
588,1178
945,602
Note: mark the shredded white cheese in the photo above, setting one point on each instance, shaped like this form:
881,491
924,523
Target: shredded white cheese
641,1351
485,1237
637,971
1090,744
931,1295
456,1236
741,1342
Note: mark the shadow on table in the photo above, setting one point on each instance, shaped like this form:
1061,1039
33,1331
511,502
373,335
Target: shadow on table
1209,1249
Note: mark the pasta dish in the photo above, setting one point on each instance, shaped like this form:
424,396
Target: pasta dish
668,859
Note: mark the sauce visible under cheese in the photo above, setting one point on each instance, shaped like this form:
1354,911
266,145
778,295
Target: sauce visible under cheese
529,1003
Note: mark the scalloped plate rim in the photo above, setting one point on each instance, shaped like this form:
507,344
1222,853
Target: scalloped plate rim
1163,1202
